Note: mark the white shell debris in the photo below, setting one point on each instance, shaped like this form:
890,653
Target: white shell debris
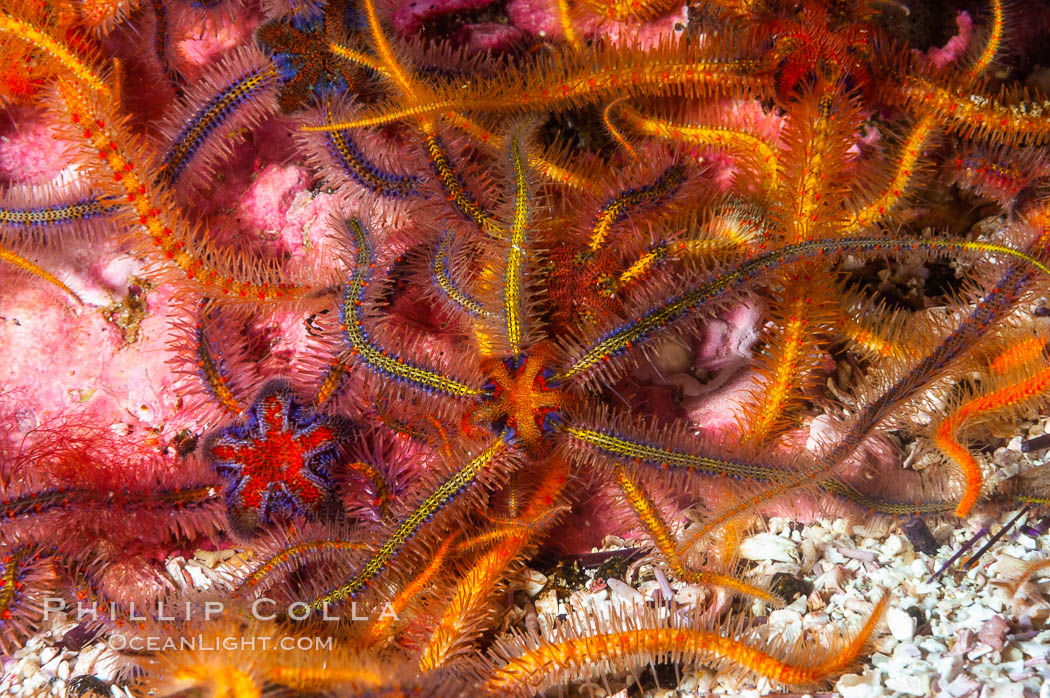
766,546
866,685
625,591
962,635
901,624
532,582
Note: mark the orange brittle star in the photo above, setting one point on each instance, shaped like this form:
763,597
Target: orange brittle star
521,398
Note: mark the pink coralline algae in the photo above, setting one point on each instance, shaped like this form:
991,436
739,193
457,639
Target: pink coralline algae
953,50
410,16
125,385
29,151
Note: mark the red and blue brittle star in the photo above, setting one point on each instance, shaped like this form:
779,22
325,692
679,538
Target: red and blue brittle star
278,460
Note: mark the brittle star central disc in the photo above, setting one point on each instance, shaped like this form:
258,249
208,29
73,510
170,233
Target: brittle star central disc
521,398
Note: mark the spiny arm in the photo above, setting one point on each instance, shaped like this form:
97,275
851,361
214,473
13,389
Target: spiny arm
476,587
450,181
40,37
649,516
990,310
443,278
591,357
589,77
732,227
362,346
513,276
909,158
101,132
527,666
639,453
734,140
623,204
992,44
435,502
946,436
20,262
548,167
1012,118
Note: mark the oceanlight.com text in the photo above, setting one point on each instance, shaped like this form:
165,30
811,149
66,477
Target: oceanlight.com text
211,643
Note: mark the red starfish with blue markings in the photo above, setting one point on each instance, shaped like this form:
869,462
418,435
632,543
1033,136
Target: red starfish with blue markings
279,460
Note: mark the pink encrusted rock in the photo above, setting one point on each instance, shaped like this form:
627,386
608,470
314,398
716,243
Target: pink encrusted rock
646,35
488,36
650,399
306,230
277,216
411,14
202,36
60,359
259,202
97,272
587,524
53,355
219,199
539,17
263,207
727,339
717,414
865,467
284,333
956,46
750,115
111,273
722,164
140,374
29,152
